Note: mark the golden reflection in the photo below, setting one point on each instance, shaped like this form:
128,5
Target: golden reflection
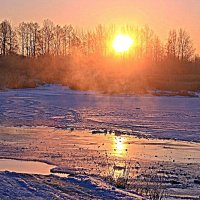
120,146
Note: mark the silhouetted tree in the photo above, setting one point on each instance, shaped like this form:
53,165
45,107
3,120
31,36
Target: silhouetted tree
8,43
171,46
179,46
58,34
47,36
33,41
158,50
185,46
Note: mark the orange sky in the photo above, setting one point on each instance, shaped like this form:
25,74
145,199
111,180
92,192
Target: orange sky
160,15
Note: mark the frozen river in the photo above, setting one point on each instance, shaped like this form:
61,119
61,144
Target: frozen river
60,107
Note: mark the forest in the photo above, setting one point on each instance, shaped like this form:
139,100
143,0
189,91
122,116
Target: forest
32,54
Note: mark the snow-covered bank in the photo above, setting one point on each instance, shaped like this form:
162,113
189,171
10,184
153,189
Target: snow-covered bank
175,93
60,107
16,186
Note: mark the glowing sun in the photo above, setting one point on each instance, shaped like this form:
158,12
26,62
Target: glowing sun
122,43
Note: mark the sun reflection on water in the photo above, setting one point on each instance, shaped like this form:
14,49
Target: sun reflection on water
119,146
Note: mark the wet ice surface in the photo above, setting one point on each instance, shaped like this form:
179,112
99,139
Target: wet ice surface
80,152
60,107
28,167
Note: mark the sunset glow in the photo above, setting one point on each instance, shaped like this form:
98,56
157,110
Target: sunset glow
122,43
106,92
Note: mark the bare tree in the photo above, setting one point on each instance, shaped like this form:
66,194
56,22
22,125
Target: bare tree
58,34
47,36
171,46
179,46
185,46
57,40
147,35
7,38
158,50
35,35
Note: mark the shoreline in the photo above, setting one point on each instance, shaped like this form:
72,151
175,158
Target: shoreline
152,92
84,153
104,132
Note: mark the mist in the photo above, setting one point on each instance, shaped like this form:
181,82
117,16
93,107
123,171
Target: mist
32,55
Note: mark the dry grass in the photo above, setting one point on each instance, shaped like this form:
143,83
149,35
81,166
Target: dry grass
127,174
105,75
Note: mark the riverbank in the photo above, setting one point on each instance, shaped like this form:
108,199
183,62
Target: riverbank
23,186
86,153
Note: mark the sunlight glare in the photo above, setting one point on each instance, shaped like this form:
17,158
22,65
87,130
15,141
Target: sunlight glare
122,43
120,146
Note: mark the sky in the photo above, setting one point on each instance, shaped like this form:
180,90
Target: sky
160,15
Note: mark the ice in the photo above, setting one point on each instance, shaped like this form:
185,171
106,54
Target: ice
58,106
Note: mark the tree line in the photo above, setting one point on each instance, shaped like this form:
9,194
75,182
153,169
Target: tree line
32,40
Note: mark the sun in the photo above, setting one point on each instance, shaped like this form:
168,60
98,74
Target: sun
122,43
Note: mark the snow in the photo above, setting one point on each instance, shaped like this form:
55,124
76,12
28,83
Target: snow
23,186
59,107
52,112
